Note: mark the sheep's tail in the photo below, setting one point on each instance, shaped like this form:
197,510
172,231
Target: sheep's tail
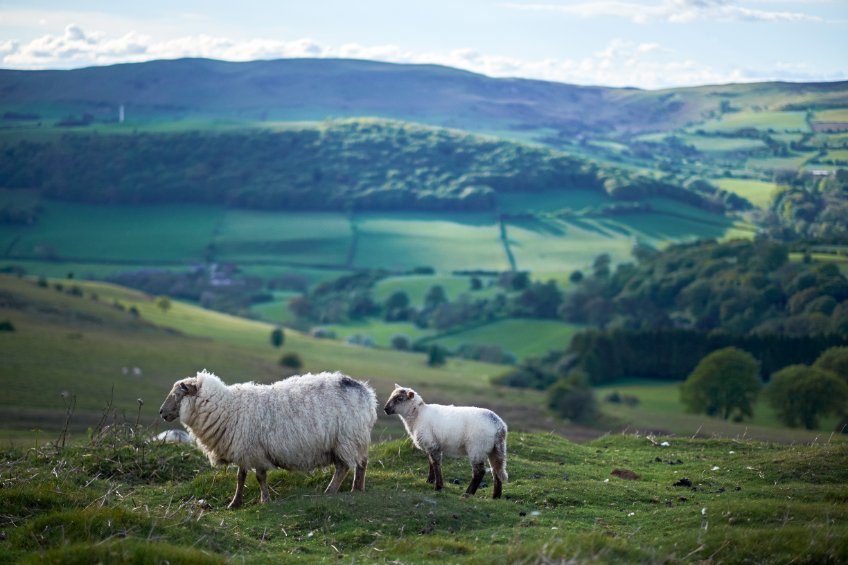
498,457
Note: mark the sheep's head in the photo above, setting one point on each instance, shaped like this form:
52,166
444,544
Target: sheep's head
170,409
401,400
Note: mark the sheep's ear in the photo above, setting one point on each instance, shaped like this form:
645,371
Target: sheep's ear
398,386
410,395
189,388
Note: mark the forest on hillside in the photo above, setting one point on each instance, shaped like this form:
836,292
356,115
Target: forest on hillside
340,165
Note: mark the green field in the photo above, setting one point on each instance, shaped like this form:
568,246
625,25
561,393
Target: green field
447,242
660,411
756,192
417,286
521,337
283,237
779,121
174,234
543,202
723,144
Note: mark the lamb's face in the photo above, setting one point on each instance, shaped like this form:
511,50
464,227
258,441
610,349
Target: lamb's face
400,400
170,409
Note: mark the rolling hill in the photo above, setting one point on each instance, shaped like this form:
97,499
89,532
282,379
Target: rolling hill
313,89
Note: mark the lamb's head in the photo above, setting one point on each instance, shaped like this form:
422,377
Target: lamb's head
170,409
402,400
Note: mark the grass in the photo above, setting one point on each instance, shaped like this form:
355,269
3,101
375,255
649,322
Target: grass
417,286
445,241
123,500
522,338
660,411
283,237
756,192
780,121
116,234
723,144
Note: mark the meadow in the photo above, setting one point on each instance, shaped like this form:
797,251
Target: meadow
757,192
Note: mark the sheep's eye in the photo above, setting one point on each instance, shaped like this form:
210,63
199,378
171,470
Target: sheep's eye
183,387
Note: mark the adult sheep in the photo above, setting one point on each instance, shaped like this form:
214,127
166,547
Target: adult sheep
454,431
300,423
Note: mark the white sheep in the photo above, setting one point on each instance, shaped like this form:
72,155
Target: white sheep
455,431
301,423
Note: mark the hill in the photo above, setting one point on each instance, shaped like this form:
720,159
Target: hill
310,89
622,498
344,165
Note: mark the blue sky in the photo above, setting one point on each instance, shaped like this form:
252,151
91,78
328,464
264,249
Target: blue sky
642,43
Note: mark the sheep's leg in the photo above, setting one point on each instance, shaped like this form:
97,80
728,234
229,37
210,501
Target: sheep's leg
338,477
497,473
261,478
359,475
431,475
477,474
237,497
435,459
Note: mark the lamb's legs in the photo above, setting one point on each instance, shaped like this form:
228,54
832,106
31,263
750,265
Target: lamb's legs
261,477
338,477
435,459
359,475
477,474
497,472
237,497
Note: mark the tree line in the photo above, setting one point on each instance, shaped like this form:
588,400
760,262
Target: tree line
338,165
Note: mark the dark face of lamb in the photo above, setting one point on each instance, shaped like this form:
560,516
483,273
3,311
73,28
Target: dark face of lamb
398,397
170,409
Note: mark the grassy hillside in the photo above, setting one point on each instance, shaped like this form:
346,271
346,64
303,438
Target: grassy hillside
83,339
622,498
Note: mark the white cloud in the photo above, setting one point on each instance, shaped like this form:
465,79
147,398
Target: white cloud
620,63
673,11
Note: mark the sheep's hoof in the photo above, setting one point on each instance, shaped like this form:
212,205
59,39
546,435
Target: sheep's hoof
234,504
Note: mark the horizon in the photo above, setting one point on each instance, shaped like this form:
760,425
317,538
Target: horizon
646,44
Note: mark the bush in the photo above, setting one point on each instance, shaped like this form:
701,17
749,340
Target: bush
834,360
400,342
724,382
436,356
291,361
7,326
277,337
801,395
573,398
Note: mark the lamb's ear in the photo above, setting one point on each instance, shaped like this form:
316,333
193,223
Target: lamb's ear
189,388
398,386
410,395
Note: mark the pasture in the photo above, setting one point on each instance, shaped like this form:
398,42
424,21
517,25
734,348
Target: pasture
660,411
521,337
756,192
762,120
620,498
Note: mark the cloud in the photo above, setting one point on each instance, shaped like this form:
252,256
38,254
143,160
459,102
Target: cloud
672,11
620,63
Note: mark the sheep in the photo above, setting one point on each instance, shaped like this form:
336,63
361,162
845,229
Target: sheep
300,423
453,430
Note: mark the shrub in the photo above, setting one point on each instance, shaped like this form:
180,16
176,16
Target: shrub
277,337
834,360
436,356
724,382
7,326
400,342
802,394
291,361
572,398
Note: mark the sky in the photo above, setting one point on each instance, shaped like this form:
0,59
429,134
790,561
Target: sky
634,43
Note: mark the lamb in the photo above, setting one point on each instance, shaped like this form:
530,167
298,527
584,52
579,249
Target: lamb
300,423
453,430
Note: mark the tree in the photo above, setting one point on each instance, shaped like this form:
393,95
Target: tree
434,297
572,398
802,394
723,382
291,361
163,303
396,307
834,360
436,356
277,337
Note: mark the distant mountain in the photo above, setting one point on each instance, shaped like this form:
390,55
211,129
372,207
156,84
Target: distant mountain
314,89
